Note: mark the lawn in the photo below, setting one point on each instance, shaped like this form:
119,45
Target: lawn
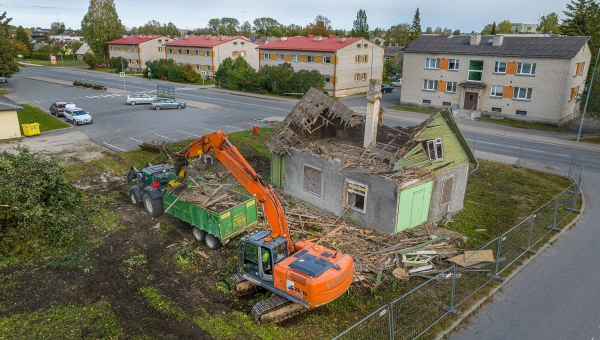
60,63
414,109
32,114
3,91
593,140
520,124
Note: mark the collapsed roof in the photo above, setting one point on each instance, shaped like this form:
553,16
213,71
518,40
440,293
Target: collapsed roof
327,128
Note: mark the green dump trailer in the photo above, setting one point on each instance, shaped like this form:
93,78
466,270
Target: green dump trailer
214,228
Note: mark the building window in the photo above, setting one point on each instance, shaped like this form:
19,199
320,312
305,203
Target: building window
582,67
187,52
243,53
242,43
434,149
574,92
170,51
136,61
453,64
433,63
365,58
180,52
365,45
235,42
208,53
446,103
426,101
526,68
310,58
267,56
280,57
166,40
197,52
326,78
497,91
208,67
312,180
160,49
451,86
497,109
357,59
358,45
178,64
356,77
430,85
522,93
521,113
197,66
500,67
326,60
235,53
447,190
356,196
295,57
388,58
364,76
159,41
475,70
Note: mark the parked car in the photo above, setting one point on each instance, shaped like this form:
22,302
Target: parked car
3,80
166,103
397,83
77,116
386,88
139,98
58,108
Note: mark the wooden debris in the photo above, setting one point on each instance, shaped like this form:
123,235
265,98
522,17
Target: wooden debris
201,253
401,274
470,258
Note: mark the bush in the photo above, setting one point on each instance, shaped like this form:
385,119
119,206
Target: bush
92,60
44,210
118,64
40,56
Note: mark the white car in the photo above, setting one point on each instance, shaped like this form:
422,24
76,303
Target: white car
397,83
3,80
77,116
139,98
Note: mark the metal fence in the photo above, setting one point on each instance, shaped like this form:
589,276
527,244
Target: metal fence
454,290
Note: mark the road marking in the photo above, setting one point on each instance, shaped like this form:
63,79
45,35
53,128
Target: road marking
249,123
234,128
517,147
175,140
206,129
113,146
139,141
187,133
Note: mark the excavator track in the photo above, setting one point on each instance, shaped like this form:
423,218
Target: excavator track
243,286
276,309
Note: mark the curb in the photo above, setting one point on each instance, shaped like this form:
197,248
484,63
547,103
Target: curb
254,95
479,302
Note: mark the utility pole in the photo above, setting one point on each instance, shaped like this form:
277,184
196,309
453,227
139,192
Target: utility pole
588,94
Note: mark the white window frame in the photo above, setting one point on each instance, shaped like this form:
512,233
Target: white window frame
197,66
187,52
235,53
521,114
365,58
356,76
432,63
310,58
522,93
498,66
327,78
494,91
280,57
364,76
208,67
452,87
267,56
432,146
357,59
475,71
295,58
496,109
428,83
532,67
243,53
351,189
207,53
455,63
327,60
160,49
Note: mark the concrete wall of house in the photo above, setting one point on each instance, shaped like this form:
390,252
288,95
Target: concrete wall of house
201,58
551,86
382,195
151,50
348,68
571,110
438,211
234,49
9,125
138,55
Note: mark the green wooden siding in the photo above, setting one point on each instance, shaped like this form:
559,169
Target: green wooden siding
413,206
277,169
452,145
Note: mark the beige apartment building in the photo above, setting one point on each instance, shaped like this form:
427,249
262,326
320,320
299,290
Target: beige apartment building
526,78
345,63
205,52
137,50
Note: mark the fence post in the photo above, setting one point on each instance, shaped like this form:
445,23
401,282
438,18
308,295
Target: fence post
571,167
498,254
556,204
454,272
531,229
391,321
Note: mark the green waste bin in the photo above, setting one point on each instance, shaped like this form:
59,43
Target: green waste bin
31,129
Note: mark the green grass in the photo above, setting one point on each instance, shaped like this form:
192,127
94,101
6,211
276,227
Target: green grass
520,124
31,114
67,62
256,142
3,91
68,322
413,109
593,140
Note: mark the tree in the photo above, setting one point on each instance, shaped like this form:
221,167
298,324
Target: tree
294,30
8,66
361,28
487,30
504,27
57,28
493,30
317,28
416,26
117,63
150,28
22,37
170,29
325,21
438,30
549,23
20,49
399,34
232,25
246,29
213,25
101,24
265,26
429,30
582,18
456,32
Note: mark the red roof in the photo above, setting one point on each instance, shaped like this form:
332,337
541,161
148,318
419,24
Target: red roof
327,44
134,40
202,41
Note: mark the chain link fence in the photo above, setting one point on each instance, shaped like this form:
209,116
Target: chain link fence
455,289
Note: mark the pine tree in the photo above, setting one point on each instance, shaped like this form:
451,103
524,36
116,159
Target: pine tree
493,31
582,18
416,26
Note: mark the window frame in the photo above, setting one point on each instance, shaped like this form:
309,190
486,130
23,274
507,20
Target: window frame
267,56
349,190
433,148
310,58
517,93
498,66
328,79
494,92
532,69
427,82
356,76
456,64
427,101
496,109
480,72
434,61
304,187
363,76
280,57
294,58
523,113
453,85
326,59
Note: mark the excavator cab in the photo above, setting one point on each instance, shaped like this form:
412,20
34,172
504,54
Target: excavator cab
260,257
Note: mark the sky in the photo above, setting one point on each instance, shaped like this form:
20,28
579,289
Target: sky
465,15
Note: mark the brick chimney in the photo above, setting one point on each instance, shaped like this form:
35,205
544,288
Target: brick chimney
331,36
475,39
310,36
497,40
372,119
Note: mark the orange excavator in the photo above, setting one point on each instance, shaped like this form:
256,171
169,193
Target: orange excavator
300,275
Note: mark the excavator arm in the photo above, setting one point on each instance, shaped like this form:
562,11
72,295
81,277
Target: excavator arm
218,144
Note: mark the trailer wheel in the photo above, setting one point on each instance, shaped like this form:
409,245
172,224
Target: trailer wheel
212,242
154,207
199,234
135,196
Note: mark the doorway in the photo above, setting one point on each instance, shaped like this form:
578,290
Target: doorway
470,101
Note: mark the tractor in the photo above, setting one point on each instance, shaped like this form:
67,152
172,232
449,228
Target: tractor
150,183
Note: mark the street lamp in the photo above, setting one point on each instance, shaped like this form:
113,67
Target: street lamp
123,70
133,50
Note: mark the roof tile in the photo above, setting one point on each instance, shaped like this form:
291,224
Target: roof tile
309,44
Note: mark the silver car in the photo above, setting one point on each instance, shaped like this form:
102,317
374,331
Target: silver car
3,80
77,116
139,98
166,103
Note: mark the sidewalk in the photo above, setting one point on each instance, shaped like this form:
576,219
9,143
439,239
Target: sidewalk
256,95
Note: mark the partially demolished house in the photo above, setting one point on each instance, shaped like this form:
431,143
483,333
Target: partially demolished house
403,177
